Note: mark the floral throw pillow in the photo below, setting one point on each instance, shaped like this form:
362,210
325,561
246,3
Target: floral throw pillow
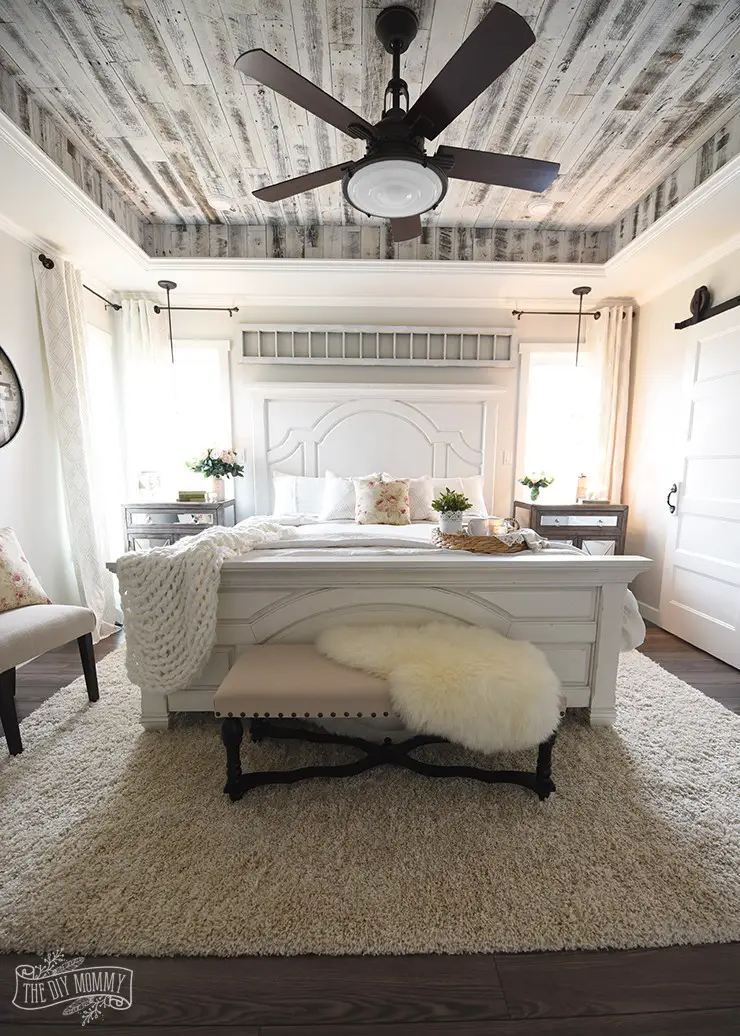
18,584
382,503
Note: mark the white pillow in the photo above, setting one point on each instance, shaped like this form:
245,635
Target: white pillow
339,497
472,487
297,494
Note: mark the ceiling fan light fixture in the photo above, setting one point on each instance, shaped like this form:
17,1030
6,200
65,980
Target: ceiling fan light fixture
394,187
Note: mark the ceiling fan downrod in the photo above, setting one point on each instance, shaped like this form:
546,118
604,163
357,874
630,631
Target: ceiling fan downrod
396,28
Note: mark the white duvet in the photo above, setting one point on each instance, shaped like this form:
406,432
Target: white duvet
308,536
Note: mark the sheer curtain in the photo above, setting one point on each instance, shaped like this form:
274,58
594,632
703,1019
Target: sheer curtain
610,346
59,295
147,395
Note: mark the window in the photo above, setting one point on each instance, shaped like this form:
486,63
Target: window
202,404
557,419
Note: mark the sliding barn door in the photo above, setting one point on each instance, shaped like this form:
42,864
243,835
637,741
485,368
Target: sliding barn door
700,600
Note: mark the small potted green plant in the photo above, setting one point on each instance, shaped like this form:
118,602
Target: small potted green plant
451,506
536,482
217,465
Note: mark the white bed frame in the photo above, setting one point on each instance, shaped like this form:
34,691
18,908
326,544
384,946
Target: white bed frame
570,606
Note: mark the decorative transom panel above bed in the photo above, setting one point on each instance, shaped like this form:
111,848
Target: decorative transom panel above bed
409,346
444,433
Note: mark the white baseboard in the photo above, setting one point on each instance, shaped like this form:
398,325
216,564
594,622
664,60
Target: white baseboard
648,612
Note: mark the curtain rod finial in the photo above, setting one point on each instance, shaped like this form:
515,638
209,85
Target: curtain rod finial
46,262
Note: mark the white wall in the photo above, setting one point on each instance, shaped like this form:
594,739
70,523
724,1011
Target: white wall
532,329
655,432
30,481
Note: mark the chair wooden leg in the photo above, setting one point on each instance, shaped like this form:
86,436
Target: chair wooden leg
8,715
87,656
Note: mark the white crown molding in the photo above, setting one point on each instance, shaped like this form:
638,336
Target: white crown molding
15,138
363,267
7,226
724,177
697,267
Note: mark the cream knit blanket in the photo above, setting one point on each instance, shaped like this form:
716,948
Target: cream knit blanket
169,597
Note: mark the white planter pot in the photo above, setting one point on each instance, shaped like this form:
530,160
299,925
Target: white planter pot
218,489
451,521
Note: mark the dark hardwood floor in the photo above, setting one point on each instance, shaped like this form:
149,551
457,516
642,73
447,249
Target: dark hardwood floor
678,991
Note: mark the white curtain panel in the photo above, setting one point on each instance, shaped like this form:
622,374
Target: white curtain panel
147,394
59,294
610,346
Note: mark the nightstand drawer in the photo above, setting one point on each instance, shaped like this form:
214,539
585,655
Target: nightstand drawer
591,521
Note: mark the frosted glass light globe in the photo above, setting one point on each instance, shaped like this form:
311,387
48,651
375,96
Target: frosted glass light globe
394,188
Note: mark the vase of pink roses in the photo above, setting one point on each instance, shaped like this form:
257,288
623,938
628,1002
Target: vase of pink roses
217,465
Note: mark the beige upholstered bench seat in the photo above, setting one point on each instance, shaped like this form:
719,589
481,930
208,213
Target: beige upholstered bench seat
295,680
271,685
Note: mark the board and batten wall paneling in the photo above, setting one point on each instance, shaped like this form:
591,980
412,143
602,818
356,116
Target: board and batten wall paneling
482,244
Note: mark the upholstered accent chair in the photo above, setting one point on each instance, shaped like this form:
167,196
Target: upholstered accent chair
28,632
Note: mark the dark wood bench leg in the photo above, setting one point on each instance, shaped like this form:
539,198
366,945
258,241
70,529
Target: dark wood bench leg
232,732
87,655
8,715
544,783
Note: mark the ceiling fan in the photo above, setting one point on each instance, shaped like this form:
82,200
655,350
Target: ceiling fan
396,178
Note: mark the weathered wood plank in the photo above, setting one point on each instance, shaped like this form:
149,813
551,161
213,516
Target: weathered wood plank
336,241
141,99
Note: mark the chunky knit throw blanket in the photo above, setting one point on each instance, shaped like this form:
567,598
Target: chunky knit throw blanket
169,597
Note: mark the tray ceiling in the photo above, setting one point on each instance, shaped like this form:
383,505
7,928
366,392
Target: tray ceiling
617,92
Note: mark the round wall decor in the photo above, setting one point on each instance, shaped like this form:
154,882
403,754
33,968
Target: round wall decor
11,400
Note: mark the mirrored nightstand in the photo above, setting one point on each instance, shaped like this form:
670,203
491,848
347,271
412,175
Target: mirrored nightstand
147,525
594,527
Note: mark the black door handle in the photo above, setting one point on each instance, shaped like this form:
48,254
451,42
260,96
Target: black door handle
671,492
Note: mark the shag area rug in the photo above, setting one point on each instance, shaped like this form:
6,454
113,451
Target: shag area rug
120,841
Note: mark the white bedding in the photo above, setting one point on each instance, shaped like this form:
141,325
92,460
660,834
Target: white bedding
350,539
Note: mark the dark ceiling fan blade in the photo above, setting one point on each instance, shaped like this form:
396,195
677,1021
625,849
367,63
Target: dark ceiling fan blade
528,174
299,184
273,73
500,38
406,227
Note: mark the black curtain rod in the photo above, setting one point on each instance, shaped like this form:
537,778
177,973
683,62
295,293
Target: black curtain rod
519,313
48,264
113,305
202,309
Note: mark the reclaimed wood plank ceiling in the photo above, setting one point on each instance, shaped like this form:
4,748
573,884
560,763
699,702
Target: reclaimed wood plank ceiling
617,91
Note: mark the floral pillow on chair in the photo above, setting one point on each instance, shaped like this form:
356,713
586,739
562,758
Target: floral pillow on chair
18,584
382,503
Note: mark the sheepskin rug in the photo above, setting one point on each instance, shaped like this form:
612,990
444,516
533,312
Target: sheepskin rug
467,684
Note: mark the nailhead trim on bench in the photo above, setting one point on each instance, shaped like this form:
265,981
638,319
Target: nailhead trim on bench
307,715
